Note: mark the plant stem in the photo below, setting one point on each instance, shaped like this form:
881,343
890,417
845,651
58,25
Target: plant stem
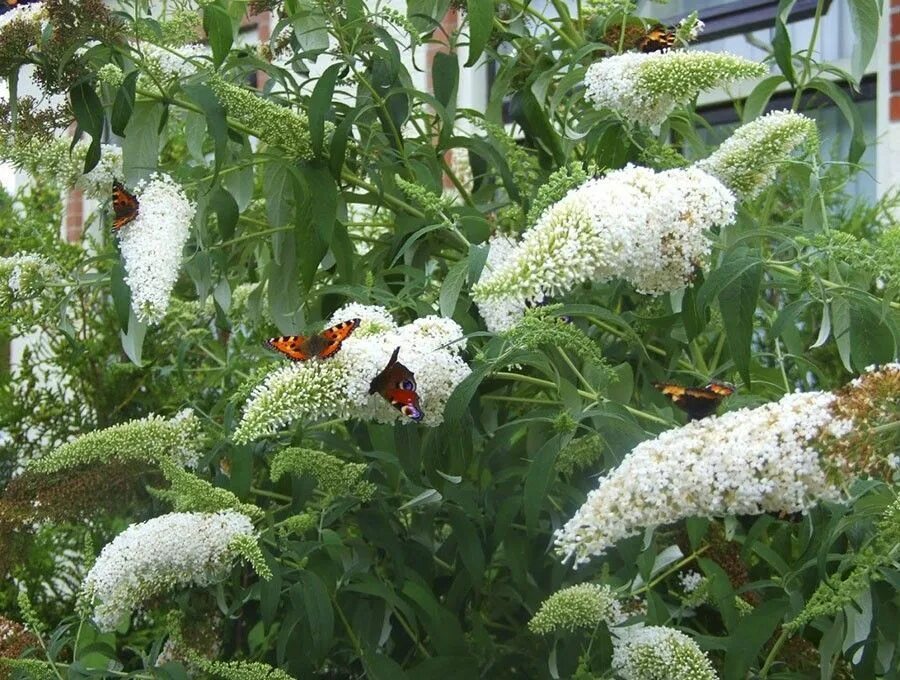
270,494
671,570
773,653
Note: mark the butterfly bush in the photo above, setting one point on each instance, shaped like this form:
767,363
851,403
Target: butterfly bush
338,387
747,161
584,606
33,13
152,244
177,550
147,440
22,277
658,653
781,457
646,227
175,62
645,88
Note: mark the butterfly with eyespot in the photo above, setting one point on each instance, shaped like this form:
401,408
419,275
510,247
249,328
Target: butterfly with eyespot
7,5
321,345
397,384
125,206
697,402
658,39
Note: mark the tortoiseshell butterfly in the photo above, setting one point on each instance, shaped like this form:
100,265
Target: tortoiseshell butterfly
125,205
321,345
7,5
658,39
397,384
697,402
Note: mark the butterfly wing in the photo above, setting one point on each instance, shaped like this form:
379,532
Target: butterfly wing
125,205
697,402
397,384
658,38
294,347
336,335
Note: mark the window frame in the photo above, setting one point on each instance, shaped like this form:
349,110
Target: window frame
743,16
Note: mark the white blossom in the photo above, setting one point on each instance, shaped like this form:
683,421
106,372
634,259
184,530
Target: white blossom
646,227
742,463
180,62
25,275
747,161
658,653
152,244
583,606
690,581
177,550
338,387
645,88
34,11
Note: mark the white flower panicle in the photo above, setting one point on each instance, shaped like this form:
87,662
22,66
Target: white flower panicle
152,245
745,462
31,12
22,277
583,606
659,653
645,88
180,62
646,227
338,387
747,161
177,550
690,581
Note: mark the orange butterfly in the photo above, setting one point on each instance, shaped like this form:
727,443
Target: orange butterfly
125,205
397,384
8,5
658,39
322,345
697,402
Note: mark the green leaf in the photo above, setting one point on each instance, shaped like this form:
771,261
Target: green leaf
749,636
737,302
123,106
278,192
226,209
121,294
219,30
781,43
310,596
756,103
481,24
88,110
458,403
133,340
538,480
316,212
851,114
320,104
864,17
285,302
216,124
140,149
469,544
452,286
840,313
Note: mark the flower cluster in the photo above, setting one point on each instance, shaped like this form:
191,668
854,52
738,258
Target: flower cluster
333,476
22,278
583,606
149,439
781,457
659,653
276,125
153,557
339,386
98,182
181,62
645,227
14,639
151,245
747,161
20,33
645,88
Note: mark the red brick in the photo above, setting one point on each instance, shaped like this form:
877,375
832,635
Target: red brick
895,80
74,215
895,25
895,52
895,4
895,107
